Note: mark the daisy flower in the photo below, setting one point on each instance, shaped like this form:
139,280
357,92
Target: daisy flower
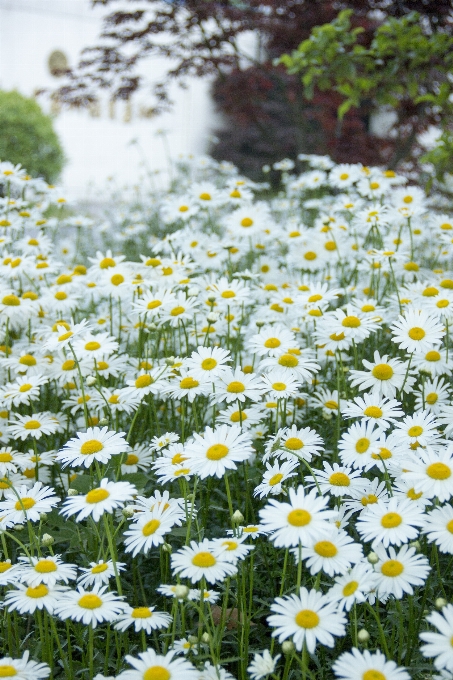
291,365
352,324
154,666
201,560
438,645
417,331
206,595
32,426
433,395
186,385
430,471
214,672
417,430
148,531
27,599
299,521
397,572
357,665
278,387
147,382
107,497
293,443
23,669
11,461
337,480
307,618
48,570
23,503
332,552
95,346
207,363
369,494
231,549
142,618
237,385
439,528
391,523
358,443
384,376
247,417
271,341
327,400
218,450
95,444
90,606
435,361
98,573
352,586
183,310
63,333
262,665
274,477
23,391
383,412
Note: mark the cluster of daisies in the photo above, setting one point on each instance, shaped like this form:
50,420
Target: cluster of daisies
230,456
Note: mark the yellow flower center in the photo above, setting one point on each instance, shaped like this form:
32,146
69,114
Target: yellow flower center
438,471
407,199
368,308
391,520
431,398
279,386
383,453
38,592
91,446
176,311
188,383
416,333
4,566
373,412
246,222
99,568
307,618
7,671
153,304
325,549
217,452
310,256
299,518
372,674
90,601
351,322
362,445
449,526
433,355
132,459
272,343
27,360
5,457
106,263
45,566
337,337
382,372
203,560
208,364
158,672
294,444
228,294
350,588
61,295
415,496
415,431
288,360
151,527
32,425
141,613
25,503
275,479
143,381
339,479
236,387
392,568
117,279
97,495
331,404
11,301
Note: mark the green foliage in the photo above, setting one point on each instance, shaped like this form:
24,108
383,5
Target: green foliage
403,67
27,137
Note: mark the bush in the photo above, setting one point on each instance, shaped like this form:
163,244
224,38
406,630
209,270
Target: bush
27,137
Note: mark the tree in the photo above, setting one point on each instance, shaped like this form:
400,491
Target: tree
266,109
27,137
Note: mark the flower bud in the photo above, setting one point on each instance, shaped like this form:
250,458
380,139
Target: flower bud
91,380
212,298
47,540
440,602
170,361
128,512
212,317
19,527
288,647
192,639
205,638
181,592
237,517
166,547
260,324
363,635
416,545
73,492
372,558
43,516
104,421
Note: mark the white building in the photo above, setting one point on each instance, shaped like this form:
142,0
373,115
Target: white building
110,140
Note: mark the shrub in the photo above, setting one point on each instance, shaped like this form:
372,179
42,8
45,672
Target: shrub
27,137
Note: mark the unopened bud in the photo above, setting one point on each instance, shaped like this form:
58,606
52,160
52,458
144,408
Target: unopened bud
288,647
205,638
73,492
212,317
170,361
181,592
91,380
363,635
166,547
372,558
47,540
212,298
416,545
128,512
152,326
104,421
19,527
266,169
192,639
43,516
440,602
237,517
260,324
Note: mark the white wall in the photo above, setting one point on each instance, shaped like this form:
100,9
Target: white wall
96,147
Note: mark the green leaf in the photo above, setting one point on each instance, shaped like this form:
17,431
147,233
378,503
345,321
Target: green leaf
138,479
82,483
